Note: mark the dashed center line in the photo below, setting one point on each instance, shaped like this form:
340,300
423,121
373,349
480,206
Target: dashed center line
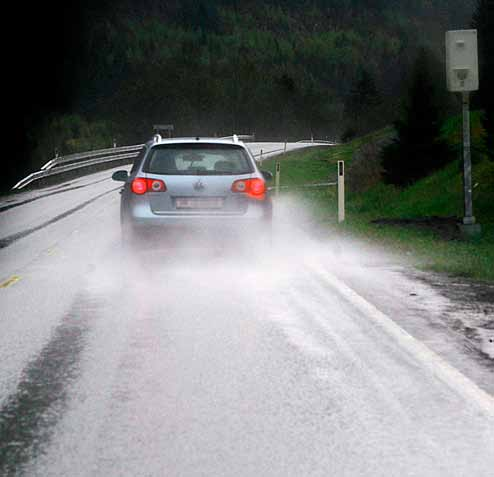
10,281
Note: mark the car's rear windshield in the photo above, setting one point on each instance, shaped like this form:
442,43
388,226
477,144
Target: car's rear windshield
201,159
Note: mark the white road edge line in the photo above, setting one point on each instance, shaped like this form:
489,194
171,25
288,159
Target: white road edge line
433,362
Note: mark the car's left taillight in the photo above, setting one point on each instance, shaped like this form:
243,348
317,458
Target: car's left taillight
141,185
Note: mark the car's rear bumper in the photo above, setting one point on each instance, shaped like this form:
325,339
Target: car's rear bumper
198,222
197,229
140,215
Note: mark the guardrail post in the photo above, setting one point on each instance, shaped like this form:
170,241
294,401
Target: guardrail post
341,191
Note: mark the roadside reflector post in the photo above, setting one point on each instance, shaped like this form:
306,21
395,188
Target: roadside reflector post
260,158
462,76
341,191
277,178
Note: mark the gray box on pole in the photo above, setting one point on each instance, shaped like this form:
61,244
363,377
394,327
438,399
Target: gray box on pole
462,64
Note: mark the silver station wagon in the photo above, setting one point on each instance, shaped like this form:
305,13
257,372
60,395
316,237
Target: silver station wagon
181,190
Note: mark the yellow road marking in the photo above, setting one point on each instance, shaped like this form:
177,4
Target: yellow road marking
10,281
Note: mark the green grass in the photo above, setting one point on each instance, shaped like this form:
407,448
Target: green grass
440,194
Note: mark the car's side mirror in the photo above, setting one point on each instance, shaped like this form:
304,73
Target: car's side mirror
267,175
121,176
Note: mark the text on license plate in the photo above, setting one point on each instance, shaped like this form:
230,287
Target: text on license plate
199,203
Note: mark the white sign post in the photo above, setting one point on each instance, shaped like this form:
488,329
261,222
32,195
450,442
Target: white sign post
462,74
164,127
277,178
341,191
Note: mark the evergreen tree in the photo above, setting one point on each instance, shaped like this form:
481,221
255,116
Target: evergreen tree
483,21
417,149
362,100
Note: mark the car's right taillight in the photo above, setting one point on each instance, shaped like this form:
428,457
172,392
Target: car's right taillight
141,185
255,188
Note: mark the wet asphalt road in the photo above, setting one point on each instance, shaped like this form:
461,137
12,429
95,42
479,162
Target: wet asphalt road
216,363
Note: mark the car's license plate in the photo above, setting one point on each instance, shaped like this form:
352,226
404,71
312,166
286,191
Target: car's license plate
199,203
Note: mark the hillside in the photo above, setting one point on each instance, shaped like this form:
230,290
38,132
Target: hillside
276,68
419,220
282,69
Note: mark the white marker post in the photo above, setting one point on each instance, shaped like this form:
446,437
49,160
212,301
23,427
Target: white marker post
341,191
277,178
462,74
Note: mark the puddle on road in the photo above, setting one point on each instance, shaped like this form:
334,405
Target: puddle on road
470,311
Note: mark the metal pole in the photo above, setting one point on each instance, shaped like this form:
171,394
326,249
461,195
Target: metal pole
468,218
341,191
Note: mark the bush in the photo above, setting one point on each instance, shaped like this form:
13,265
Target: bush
365,170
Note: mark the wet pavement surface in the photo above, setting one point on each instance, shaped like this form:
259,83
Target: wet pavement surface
470,312
199,362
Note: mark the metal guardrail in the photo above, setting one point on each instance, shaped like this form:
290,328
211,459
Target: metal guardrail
318,141
305,186
240,137
92,154
71,162
61,164
266,154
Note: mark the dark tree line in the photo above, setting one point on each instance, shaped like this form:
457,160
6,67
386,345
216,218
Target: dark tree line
483,21
278,68
419,147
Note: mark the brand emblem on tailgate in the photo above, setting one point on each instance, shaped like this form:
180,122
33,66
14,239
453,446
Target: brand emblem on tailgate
199,185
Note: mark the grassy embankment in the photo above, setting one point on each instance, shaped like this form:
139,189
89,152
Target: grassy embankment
440,194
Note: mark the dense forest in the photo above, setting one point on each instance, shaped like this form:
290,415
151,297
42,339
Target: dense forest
280,69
